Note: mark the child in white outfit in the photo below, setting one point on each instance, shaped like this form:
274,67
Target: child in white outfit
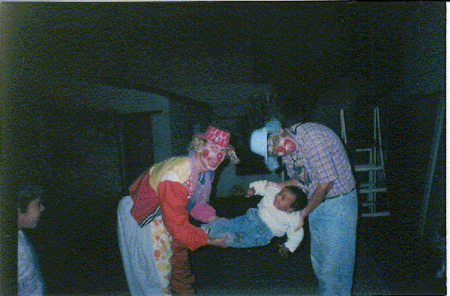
277,214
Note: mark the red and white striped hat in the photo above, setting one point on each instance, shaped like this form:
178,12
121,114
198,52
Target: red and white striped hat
217,136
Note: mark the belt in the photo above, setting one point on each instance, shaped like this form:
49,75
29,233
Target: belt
339,195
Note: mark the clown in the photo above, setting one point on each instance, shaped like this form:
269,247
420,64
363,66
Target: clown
316,161
153,221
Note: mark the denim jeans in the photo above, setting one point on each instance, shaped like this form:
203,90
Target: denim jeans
245,231
333,242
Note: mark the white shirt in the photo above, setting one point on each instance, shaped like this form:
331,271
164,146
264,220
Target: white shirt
29,277
279,222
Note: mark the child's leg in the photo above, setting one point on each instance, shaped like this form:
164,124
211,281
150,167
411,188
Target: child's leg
221,227
245,231
255,234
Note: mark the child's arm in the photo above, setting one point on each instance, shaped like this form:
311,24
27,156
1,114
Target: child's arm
259,187
283,251
280,185
294,236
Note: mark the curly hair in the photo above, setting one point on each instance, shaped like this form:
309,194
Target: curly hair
196,143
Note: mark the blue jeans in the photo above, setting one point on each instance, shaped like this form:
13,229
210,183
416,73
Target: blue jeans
245,231
333,242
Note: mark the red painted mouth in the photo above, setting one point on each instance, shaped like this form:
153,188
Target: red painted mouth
213,163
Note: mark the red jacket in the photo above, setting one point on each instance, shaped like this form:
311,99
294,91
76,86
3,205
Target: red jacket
172,197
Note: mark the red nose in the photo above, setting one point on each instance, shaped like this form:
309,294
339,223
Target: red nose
220,155
280,149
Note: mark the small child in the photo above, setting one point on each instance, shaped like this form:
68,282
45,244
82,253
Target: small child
277,214
29,277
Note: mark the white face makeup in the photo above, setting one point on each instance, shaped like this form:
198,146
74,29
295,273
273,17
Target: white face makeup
212,156
280,146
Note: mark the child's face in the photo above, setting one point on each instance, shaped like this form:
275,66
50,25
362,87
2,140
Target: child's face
283,200
31,217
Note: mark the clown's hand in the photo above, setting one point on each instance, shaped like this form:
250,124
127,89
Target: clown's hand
212,218
218,242
302,220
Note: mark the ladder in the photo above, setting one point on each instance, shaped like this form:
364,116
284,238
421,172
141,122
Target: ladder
372,169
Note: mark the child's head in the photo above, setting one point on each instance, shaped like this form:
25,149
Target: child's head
290,198
29,206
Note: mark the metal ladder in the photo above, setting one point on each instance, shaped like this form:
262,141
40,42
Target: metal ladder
373,168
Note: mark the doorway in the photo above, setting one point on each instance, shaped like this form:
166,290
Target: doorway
137,145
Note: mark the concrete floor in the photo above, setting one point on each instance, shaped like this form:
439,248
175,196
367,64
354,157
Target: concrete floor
261,271
388,262
86,260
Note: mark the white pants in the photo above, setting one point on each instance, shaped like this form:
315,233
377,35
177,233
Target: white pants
146,275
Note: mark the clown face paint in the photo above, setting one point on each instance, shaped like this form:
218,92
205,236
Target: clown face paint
212,156
287,146
278,145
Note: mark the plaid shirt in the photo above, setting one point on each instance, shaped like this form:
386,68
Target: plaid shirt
319,158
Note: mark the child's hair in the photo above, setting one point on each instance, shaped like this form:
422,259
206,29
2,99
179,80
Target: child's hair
27,194
301,200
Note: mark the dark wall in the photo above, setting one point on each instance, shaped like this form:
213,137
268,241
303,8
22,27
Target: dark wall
411,128
84,159
81,174
184,116
74,155
136,145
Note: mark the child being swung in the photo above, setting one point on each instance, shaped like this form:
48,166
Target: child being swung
276,215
